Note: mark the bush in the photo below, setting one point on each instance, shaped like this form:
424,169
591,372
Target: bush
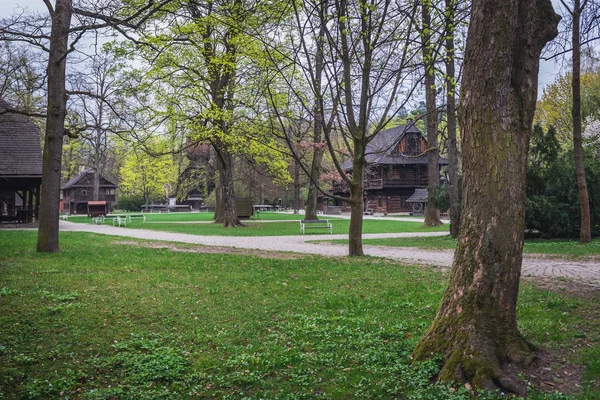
131,202
553,197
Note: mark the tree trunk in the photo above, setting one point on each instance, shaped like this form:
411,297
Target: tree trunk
356,201
585,232
55,126
228,210
475,329
297,188
432,217
315,168
96,187
451,120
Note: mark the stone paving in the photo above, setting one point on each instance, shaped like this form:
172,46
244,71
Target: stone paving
587,272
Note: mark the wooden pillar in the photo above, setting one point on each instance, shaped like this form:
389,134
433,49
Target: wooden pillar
30,206
37,203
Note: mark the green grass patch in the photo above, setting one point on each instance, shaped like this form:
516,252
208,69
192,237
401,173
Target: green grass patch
103,320
568,248
271,225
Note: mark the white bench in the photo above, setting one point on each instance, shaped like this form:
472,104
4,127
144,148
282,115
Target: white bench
315,224
98,220
136,216
119,220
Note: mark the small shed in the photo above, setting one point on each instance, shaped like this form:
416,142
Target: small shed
20,167
418,200
243,206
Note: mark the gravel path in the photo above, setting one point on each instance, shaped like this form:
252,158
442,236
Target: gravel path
587,272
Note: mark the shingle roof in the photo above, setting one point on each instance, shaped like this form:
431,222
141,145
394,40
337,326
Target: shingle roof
80,181
419,196
20,150
381,149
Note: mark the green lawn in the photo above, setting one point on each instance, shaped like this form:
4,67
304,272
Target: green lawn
107,320
565,247
269,224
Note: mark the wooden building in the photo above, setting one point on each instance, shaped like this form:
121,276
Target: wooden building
20,167
77,195
396,167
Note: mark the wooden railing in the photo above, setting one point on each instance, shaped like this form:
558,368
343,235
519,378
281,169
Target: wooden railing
385,183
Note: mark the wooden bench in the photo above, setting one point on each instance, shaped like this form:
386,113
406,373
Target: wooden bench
315,224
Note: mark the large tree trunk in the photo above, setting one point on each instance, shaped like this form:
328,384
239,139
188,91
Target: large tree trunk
228,211
356,201
475,329
585,232
451,119
432,217
55,126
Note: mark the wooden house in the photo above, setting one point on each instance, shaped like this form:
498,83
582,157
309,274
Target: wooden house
77,195
396,167
20,167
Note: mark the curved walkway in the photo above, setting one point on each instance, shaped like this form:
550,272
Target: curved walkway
587,272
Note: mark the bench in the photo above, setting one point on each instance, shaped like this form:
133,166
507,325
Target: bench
369,211
98,220
119,219
315,224
136,216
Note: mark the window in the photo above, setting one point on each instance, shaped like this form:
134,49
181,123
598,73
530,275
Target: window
413,144
84,192
110,191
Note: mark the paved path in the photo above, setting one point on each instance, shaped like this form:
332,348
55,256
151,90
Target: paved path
581,271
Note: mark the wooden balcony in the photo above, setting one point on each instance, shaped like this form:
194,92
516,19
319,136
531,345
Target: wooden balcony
375,184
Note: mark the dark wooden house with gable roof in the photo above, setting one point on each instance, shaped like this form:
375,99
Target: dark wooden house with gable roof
20,167
78,192
396,167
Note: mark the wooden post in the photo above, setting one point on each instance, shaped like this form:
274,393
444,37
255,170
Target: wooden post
29,207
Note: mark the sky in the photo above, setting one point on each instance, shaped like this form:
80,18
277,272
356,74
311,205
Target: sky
549,70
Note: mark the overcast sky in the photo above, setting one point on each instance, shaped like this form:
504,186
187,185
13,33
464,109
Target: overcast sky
549,71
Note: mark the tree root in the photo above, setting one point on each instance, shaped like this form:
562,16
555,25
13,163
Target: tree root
472,359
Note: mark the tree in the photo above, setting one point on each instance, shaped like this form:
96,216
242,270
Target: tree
62,39
95,95
584,201
55,126
203,77
432,217
370,50
146,175
475,329
450,20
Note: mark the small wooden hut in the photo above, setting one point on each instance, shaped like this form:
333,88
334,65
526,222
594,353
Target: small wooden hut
78,195
20,167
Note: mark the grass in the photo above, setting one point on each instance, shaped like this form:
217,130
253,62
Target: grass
565,248
274,226
103,320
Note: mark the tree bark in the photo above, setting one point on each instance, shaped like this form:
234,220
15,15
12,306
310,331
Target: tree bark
296,187
228,210
356,200
585,232
451,120
432,217
315,168
475,329
55,126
